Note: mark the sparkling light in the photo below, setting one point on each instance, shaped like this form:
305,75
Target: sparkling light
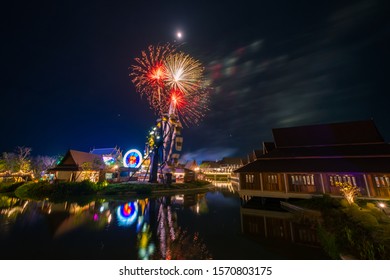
127,213
147,75
183,73
132,158
173,82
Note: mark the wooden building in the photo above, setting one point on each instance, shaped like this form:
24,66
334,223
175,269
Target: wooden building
310,160
78,166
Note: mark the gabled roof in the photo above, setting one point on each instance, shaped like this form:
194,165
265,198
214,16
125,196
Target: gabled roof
361,150
342,147
105,151
268,147
82,157
191,164
231,161
257,153
73,161
347,133
251,157
209,164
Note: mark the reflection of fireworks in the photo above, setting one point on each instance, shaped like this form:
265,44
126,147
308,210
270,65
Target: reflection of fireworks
176,244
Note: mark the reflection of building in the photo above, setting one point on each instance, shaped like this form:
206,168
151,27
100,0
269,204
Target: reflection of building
220,170
280,226
309,160
77,166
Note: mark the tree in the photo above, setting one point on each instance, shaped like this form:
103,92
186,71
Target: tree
41,164
10,162
349,191
91,170
23,156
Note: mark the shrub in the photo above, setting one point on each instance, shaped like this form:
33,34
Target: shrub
328,242
10,187
42,190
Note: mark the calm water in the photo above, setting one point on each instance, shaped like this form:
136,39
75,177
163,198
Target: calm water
211,225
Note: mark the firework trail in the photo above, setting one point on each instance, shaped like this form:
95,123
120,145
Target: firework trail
148,76
173,83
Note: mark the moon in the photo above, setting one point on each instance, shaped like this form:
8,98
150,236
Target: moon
179,35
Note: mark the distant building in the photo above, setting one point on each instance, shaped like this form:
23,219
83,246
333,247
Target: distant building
110,156
78,166
221,170
310,160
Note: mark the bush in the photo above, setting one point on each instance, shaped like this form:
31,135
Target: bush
362,217
10,187
328,242
42,190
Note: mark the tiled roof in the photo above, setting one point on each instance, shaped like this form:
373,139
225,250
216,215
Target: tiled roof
231,161
105,151
73,161
357,132
367,150
373,164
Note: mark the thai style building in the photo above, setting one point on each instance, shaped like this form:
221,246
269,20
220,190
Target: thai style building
220,170
313,160
110,156
78,166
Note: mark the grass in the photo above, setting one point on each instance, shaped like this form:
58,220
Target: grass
361,230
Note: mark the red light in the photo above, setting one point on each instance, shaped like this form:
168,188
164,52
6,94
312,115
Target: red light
126,209
177,98
156,74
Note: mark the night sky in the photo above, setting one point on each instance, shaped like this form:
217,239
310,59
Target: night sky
65,70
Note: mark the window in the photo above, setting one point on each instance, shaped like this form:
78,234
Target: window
336,180
272,179
249,178
307,180
382,181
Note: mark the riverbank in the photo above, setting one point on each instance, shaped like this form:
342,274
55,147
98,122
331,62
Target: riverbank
360,230
66,190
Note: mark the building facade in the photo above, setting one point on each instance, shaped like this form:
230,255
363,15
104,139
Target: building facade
77,166
314,160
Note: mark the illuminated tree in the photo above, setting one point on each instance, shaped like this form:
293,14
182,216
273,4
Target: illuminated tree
23,155
91,170
42,163
349,191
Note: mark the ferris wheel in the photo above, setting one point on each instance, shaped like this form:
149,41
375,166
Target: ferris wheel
164,145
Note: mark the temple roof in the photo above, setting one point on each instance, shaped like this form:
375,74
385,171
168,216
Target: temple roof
105,151
357,132
373,164
74,160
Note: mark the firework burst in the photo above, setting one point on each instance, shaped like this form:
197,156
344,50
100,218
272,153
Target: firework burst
173,82
148,75
183,73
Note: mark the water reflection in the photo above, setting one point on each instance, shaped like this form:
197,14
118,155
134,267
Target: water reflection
278,226
184,226
230,186
150,224
127,214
